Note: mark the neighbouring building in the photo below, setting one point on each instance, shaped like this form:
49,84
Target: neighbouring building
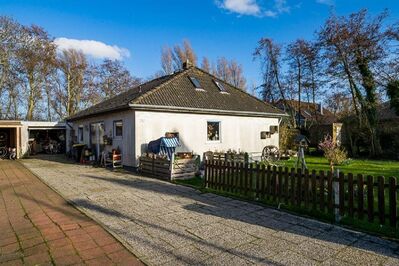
36,134
314,119
388,129
205,113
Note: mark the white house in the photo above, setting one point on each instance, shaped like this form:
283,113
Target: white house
205,113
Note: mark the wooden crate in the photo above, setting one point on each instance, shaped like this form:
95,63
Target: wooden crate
163,169
183,168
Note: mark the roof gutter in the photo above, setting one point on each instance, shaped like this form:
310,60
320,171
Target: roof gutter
176,109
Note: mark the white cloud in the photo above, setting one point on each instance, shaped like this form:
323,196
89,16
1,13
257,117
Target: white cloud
242,7
326,2
281,6
251,7
270,13
95,49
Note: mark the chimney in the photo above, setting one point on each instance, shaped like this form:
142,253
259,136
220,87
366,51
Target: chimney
320,108
187,64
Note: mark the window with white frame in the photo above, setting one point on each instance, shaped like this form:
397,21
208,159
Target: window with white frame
80,133
118,129
213,130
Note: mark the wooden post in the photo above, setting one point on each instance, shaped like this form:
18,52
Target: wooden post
263,190
370,198
280,183
172,161
330,201
206,177
321,191
336,191
341,194
306,186
350,199
275,183
257,176
293,182
286,187
269,182
381,199
392,202
299,187
360,197
314,191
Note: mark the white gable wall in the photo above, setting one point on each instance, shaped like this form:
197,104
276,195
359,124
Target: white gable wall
237,132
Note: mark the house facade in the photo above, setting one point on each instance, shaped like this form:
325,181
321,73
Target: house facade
205,113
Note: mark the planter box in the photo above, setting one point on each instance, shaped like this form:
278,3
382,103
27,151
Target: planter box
168,170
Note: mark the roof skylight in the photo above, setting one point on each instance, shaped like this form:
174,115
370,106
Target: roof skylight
220,86
195,82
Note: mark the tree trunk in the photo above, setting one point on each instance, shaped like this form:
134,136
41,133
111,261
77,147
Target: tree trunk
31,98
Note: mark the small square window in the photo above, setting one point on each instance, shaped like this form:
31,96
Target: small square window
213,130
118,128
264,135
80,134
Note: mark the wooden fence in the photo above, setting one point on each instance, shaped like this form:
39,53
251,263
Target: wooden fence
229,157
164,169
357,197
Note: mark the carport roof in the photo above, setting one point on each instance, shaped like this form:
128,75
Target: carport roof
10,123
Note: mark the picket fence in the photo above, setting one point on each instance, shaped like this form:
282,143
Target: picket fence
355,196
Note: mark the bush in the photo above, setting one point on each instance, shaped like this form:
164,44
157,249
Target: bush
335,154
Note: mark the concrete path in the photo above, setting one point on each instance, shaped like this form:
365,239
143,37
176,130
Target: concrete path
167,224
38,227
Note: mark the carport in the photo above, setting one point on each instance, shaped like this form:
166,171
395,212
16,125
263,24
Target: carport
10,135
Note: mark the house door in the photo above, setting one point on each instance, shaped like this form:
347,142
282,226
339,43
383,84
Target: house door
97,138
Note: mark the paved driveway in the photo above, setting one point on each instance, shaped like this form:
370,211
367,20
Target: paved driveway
167,224
38,227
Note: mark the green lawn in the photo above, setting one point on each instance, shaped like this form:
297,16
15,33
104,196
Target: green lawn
354,166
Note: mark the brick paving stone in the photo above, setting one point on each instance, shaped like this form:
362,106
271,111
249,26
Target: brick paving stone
102,260
168,224
68,260
40,228
13,263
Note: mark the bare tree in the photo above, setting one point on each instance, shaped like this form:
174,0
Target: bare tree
236,75
205,65
269,54
33,55
114,78
223,69
353,47
73,65
167,60
173,59
10,38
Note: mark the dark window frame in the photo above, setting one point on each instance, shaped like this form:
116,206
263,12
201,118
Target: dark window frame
218,131
80,134
195,82
115,130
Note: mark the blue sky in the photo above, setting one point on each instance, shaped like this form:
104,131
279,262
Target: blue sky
139,29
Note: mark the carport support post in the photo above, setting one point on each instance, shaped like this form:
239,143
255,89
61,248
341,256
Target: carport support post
336,196
17,141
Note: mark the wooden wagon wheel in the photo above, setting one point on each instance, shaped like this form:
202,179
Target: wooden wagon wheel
270,153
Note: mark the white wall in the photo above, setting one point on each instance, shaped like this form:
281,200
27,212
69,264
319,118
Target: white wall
125,143
237,133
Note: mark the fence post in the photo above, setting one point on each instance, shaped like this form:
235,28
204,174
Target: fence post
336,196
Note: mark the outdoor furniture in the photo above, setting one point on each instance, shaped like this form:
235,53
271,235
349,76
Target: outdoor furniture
114,160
